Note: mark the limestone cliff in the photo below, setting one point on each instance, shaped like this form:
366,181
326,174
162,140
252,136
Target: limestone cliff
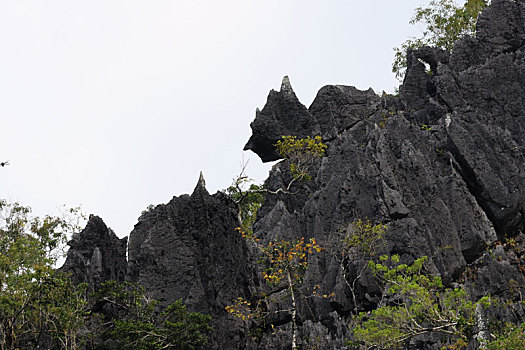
96,255
188,249
442,165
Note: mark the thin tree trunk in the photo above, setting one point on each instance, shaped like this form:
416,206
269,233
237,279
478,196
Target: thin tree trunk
294,312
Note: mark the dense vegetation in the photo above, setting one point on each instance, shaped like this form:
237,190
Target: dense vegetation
41,307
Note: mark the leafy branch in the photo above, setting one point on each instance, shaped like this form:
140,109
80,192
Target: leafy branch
444,22
414,303
356,244
286,263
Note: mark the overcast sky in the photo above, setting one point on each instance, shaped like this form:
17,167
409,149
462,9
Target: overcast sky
114,105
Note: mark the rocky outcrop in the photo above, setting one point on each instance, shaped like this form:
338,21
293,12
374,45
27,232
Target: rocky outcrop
450,149
282,114
189,249
480,92
336,108
442,165
96,255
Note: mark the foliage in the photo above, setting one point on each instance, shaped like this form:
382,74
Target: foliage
286,263
287,260
414,303
364,237
512,338
143,325
249,199
359,242
62,306
444,22
301,154
34,298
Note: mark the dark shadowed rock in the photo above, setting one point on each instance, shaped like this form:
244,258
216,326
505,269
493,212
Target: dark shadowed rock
282,115
338,108
96,255
442,165
188,249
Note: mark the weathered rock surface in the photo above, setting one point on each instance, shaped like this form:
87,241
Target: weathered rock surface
188,249
442,165
282,114
96,255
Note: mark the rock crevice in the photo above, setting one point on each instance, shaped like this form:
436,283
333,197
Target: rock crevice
441,165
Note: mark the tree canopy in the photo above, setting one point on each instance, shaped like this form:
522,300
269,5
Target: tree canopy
35,299
444,23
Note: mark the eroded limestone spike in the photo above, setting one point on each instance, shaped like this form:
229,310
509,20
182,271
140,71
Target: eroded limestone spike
286,86
201,185
201,182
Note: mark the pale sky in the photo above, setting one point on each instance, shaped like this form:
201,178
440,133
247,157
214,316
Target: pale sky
115,105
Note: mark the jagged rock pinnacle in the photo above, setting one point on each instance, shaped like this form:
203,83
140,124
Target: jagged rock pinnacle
286,86
201,185
201,182
96,255
271,123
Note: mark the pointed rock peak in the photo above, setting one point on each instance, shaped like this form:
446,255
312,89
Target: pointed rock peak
286,86
201,181
95,228
201,186
95,220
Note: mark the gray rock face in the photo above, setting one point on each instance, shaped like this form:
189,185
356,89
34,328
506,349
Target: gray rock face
188,249
466,162
282,115
335,108
442,165
482,89
96,255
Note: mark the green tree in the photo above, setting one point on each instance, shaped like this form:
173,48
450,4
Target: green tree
62,308
300,154
445,22
512,338
415,303
355,245
142,324
36,300
285,261
285,265
249,196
